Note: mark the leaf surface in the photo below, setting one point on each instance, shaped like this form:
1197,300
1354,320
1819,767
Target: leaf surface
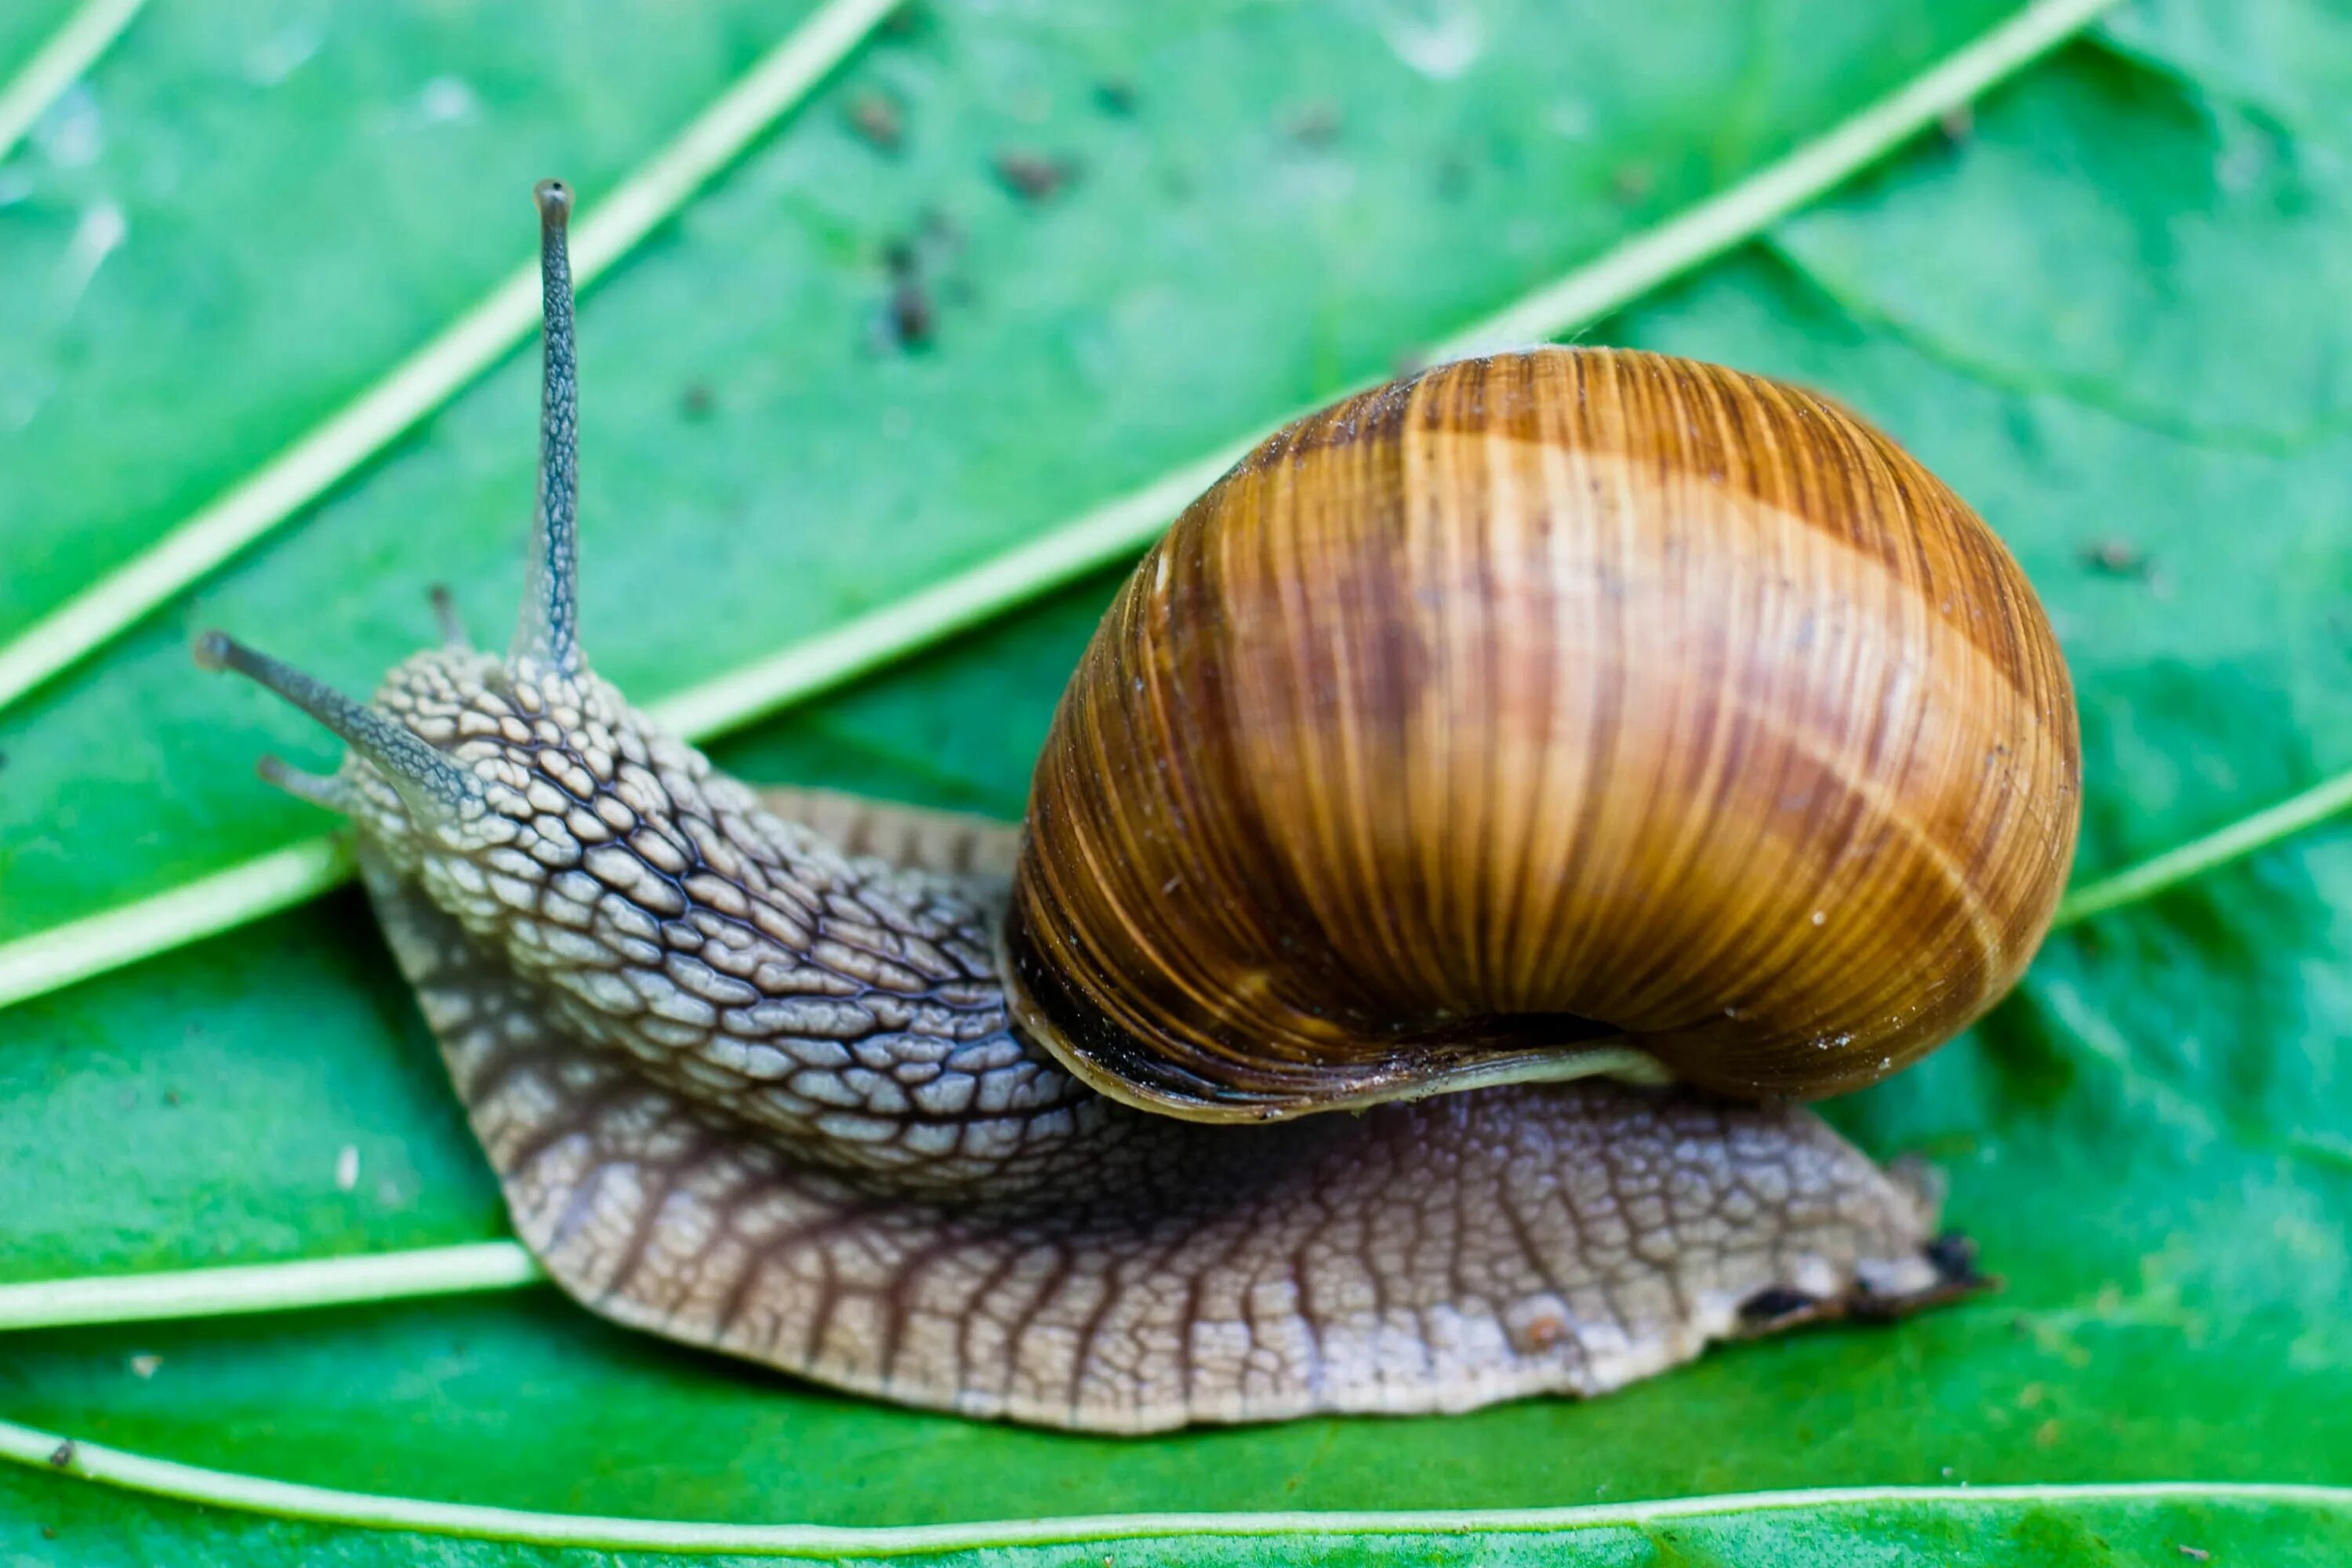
2094,310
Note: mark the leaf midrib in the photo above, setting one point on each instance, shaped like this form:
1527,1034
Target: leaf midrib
294,1501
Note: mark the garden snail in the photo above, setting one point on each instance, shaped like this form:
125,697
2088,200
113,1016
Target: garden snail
1568,714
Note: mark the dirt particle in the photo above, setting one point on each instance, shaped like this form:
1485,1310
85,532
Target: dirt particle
912,318
1315,125
2046,1435
697,400
1957,124
1034,176
48,1532
62,1455
920,270
1538,1331
878,120
1633,182
2115,557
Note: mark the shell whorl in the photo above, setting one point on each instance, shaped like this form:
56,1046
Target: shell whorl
1560,697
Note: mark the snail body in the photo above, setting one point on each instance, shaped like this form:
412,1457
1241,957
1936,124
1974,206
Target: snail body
1569,715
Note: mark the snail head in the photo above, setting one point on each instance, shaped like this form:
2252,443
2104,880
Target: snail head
443,756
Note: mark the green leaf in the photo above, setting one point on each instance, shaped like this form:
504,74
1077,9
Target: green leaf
1961,1526
2152,1142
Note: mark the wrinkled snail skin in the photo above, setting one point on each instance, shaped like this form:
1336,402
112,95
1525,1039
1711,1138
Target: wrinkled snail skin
1558,695
751,1077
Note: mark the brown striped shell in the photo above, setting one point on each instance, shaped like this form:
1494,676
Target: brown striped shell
1538,711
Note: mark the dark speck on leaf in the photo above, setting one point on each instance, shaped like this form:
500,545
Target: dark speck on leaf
1114,97
1633,182
878,122
1033,176
697,401
913,320
1316,125
1957,124
62,1455
2115,557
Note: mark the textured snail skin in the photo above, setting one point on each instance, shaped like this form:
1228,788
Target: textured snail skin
1565,696
750,1091
749,1073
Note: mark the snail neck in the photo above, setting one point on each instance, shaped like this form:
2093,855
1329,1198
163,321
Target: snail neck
848,1006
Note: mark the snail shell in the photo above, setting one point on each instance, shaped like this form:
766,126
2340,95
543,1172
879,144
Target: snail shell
1537,707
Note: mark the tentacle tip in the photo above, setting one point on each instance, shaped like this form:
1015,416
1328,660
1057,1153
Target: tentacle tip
213,651
555,199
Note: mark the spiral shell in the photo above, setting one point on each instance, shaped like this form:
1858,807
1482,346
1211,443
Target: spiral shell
1544,708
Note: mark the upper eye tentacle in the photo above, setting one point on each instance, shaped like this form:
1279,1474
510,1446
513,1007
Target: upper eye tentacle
548,632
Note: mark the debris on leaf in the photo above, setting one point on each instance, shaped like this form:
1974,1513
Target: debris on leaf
911,318
878,122
1316,125
1033,176
2115,556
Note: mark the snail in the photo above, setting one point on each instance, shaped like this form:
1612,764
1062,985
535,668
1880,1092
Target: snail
1476,826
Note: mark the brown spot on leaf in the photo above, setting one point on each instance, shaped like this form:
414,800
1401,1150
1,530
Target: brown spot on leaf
2115,557
1316,125
1033,176
878,122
